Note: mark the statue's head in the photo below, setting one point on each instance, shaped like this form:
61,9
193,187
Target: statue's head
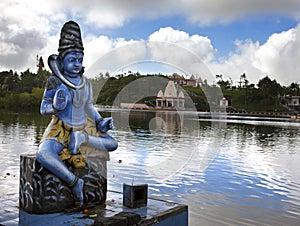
71,48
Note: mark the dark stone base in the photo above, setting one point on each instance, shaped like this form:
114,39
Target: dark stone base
42,192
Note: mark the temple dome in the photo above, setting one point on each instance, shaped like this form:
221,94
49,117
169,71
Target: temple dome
160,94
180,95
170,90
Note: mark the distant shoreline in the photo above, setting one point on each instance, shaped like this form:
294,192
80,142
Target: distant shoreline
241,113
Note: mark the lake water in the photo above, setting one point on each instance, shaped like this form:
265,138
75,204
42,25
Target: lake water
230,170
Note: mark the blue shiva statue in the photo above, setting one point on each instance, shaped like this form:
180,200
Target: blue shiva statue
68,98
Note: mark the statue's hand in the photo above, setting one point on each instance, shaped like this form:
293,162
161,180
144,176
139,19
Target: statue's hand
105,124
60,100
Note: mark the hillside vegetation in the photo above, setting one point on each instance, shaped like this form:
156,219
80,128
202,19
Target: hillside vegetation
25,91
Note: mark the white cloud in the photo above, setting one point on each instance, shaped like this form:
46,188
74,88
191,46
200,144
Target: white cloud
31,27
224,11
23,33
102,19
95,47
114,13
199,45
279,56
240,61
199,11
100,50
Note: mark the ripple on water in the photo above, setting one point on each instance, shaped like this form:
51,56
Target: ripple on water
16,139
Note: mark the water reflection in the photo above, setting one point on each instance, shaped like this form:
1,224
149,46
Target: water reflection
167,144
234,171
170,122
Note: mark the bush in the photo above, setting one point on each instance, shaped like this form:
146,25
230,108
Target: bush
22,101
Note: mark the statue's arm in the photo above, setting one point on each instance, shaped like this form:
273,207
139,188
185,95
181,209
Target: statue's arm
46,107
90,110
54,98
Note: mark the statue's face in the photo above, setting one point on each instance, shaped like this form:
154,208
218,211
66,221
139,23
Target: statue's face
72,63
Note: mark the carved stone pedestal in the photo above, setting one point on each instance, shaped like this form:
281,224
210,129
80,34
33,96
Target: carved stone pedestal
42,192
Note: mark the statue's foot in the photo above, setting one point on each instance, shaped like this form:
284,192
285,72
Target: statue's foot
76,139
78,192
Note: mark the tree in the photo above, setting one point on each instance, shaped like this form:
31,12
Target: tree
40,64
9,81
244,80
41,78
107,75
27,82
220,76
223,84
269,88
294,88
269,91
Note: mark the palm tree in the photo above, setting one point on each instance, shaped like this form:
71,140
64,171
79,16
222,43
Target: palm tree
220,77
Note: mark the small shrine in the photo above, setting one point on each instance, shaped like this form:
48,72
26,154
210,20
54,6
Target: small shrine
170,99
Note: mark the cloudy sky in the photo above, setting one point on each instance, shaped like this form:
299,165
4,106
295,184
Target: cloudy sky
230,37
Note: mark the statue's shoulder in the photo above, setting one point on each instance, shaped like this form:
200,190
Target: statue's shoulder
87,81
53,82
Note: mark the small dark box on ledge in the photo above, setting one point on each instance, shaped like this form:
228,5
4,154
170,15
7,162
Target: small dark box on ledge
135,196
